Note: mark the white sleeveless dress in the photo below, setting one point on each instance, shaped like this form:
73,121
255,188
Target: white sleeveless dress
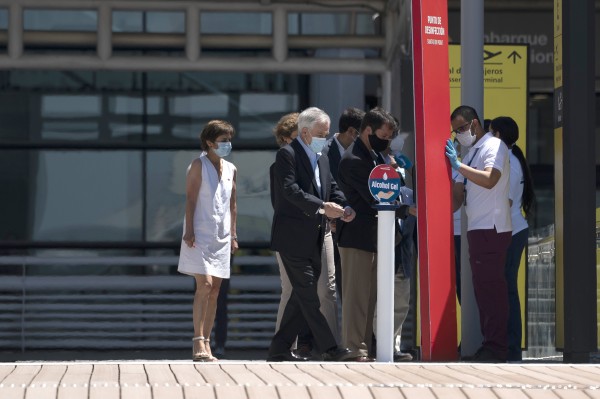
212,224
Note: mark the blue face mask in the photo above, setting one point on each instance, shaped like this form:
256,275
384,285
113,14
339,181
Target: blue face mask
224,149
317,144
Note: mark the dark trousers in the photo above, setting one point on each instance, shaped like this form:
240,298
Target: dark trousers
513,261
303,306
221,318
457,265
487,252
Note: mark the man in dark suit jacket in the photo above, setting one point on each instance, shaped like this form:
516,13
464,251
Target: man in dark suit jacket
349,126
357,241
304,194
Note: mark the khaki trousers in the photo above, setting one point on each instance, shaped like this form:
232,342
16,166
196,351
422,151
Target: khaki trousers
359,284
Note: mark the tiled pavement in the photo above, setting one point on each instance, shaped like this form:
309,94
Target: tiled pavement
312,380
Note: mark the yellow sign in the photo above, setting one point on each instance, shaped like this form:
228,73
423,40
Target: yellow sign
504,83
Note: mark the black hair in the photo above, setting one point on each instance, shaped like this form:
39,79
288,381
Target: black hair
509,134
486,124
351,117
376,118
468,113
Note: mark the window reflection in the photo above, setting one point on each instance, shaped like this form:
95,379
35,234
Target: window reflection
166,194
257,23
319,24
3,19
135,105
195,106
193,111
366,24
86,195
60,20
261,103
127,21
255,212
68,117
120,194
148,21
69,130
73,106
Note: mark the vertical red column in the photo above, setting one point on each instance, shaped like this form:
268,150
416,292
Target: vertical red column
432,128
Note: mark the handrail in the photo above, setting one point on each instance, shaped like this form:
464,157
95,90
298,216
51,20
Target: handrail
118,260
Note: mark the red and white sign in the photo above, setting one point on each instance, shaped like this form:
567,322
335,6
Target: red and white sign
432,127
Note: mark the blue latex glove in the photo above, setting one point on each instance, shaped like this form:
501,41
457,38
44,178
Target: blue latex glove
452,155
403,161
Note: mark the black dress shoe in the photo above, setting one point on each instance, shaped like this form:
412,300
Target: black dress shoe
484,355
337,354
287,357
400,356
303,351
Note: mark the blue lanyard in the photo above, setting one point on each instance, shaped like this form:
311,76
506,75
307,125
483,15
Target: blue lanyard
469,164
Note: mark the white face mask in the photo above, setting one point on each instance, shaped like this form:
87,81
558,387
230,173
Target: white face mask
466,139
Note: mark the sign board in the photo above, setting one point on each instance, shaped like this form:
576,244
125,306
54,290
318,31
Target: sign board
505,85
432,119
384,183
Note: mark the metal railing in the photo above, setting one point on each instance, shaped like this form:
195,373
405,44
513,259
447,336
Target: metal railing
66,303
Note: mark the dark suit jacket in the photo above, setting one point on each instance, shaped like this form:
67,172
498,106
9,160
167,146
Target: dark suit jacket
332,150
353,177
297,226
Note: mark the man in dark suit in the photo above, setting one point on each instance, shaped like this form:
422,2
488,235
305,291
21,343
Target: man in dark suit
304,194
349,126
358,240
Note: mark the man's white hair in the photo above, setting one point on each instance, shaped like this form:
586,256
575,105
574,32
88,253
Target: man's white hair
310,116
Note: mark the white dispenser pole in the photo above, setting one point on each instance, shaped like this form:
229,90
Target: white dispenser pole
386,221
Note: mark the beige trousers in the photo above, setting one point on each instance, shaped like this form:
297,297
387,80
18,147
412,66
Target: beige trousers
359,285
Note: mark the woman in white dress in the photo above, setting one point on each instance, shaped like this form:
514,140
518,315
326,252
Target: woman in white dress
209,229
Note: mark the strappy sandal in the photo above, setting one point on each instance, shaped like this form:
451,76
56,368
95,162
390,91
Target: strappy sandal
211,358
201,356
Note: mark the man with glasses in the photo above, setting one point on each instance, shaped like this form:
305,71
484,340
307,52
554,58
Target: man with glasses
482,186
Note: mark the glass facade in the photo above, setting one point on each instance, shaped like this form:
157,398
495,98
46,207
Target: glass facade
3,19
60,20
251,23
93,157
148,21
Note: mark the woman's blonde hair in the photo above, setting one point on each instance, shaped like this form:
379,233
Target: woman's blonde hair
287,125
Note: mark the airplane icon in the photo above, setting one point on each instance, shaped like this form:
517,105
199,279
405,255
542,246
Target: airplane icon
488,54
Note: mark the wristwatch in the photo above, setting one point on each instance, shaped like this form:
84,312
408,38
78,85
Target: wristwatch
321,209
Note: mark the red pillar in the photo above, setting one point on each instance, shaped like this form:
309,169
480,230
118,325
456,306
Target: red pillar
432,129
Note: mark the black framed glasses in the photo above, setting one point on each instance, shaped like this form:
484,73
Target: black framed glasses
461,129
